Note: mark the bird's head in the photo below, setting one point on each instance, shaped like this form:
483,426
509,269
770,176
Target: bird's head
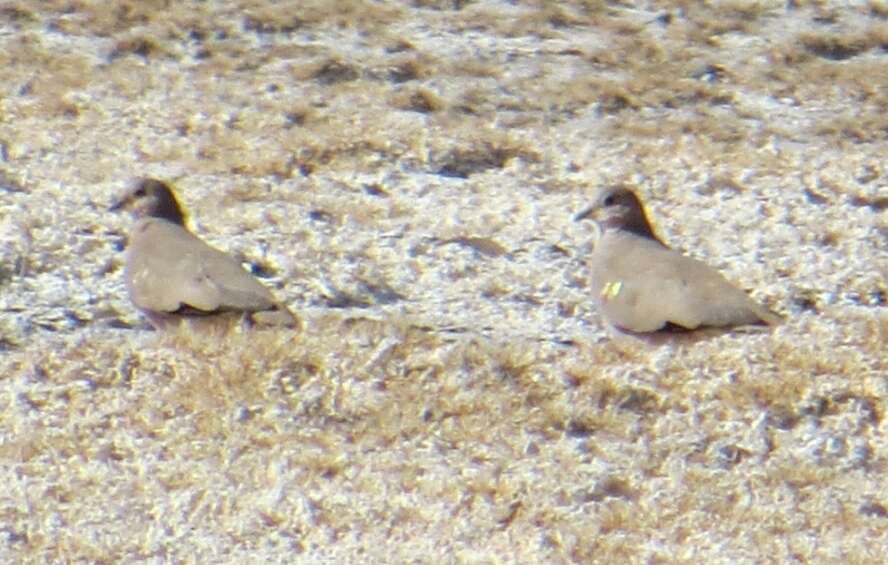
151,198
618,208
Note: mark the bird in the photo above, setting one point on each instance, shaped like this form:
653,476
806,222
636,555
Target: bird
643,286
172,275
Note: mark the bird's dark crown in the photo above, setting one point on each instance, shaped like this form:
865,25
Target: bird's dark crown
618,208
153,198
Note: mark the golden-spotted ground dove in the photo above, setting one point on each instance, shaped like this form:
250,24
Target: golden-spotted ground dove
643,286
172,275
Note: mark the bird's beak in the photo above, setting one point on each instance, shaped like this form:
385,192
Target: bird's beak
117,206
122,202
586,214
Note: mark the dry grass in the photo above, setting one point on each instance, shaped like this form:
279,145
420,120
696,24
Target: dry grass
405,176
355,430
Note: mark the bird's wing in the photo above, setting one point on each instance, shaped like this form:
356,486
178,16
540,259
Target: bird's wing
706,298
238,289
168,267
644,285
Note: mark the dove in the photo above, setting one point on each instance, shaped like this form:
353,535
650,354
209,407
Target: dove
643,286
172,275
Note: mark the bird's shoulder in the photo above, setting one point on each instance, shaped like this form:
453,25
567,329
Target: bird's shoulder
162,235
622,253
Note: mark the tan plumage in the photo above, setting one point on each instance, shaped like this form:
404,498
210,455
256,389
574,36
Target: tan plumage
172,275
643,286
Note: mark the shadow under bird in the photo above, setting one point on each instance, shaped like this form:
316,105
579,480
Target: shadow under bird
643,286
172,275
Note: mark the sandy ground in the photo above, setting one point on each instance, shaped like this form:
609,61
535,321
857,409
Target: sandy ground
404,175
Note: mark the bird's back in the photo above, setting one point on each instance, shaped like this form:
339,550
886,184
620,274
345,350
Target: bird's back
642,285
168,267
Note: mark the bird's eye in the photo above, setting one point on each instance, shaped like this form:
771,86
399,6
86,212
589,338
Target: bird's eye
610,200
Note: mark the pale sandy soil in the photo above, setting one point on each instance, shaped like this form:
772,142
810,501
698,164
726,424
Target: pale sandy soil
405,176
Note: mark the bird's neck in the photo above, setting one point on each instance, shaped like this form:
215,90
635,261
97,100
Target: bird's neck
169,210
636,224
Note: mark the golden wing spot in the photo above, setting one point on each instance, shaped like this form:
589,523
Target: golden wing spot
611,289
